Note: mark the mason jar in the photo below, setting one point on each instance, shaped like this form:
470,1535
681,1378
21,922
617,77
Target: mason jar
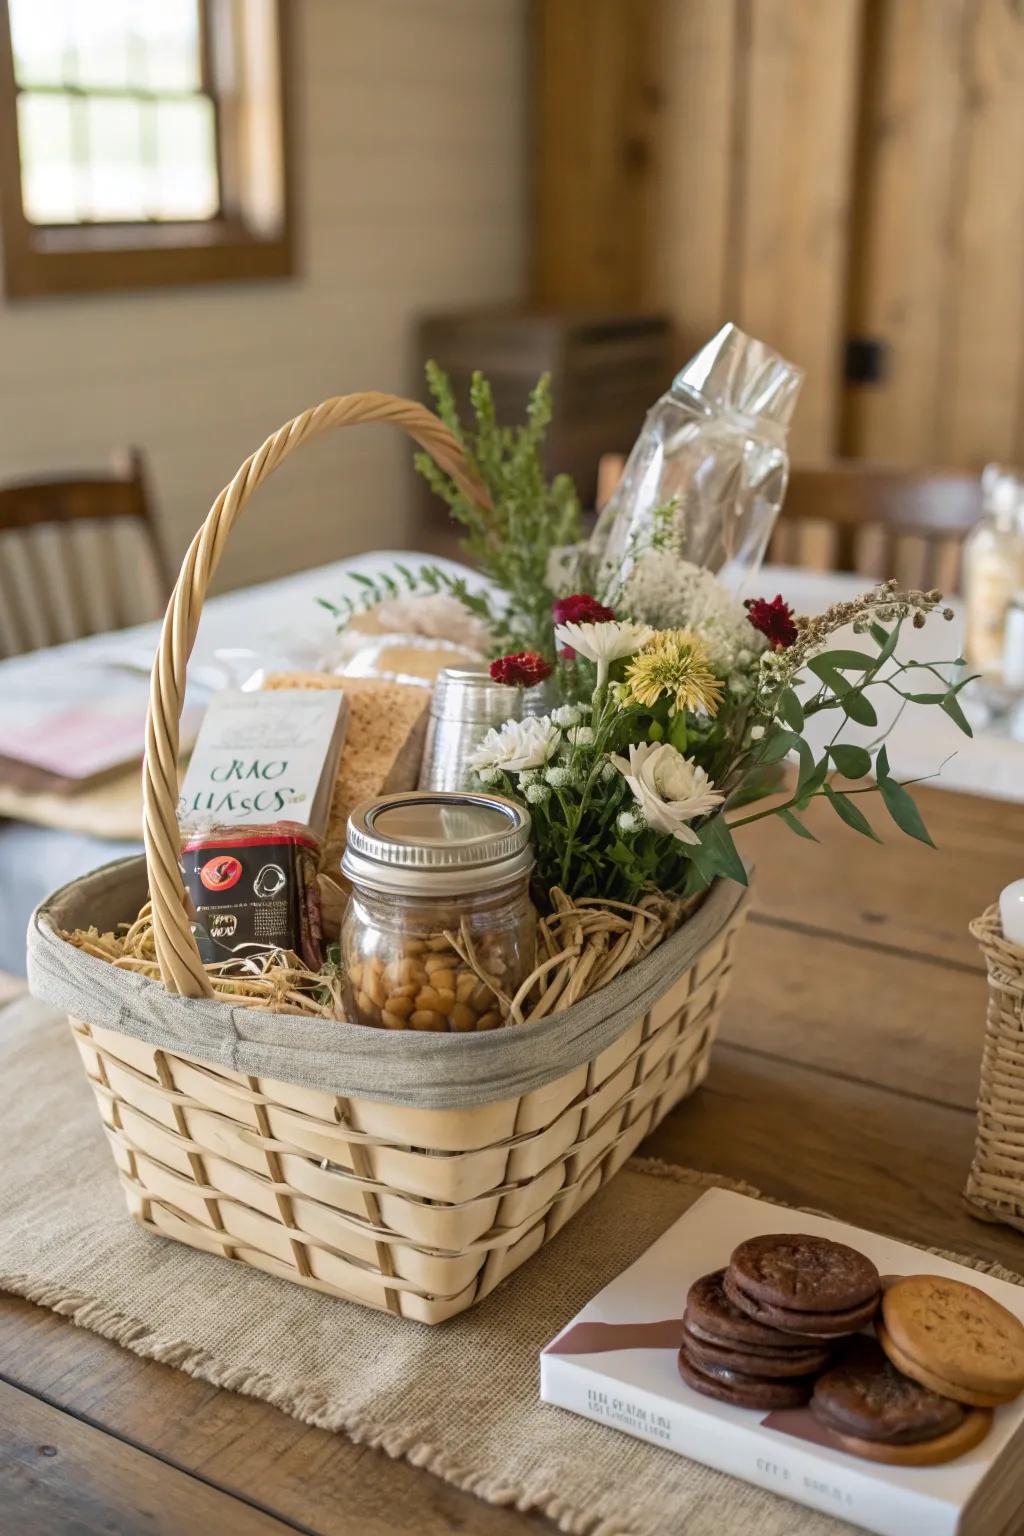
439,931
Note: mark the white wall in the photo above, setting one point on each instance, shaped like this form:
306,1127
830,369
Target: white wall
410,120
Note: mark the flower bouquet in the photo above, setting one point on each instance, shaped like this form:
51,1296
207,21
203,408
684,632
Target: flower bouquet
674,703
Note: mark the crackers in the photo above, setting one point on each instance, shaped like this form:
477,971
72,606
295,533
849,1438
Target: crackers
387,724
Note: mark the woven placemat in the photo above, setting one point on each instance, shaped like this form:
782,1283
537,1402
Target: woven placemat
460,1400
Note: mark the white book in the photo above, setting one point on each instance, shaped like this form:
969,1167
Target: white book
262,757
616,1363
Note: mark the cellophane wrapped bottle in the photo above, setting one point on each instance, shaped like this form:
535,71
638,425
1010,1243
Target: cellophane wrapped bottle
708,472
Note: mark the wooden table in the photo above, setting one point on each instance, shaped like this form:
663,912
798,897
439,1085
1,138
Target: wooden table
845,1079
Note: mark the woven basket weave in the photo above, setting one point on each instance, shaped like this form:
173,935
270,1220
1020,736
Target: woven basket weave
995,1185
421,1211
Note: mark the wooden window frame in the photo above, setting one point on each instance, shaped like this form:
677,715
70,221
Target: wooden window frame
249,240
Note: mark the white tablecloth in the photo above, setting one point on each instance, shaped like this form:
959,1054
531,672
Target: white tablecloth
281,623
924,739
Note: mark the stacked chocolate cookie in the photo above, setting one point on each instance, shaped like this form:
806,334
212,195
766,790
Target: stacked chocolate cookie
780,1326
809,1286
729,1355
758,1333
874,1411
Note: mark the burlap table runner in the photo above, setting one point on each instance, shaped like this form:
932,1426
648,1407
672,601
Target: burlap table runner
459,1400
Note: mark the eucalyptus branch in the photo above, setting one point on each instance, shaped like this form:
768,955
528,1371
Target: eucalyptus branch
866,789
844,677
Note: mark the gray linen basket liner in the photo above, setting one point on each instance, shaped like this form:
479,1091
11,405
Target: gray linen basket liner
432,1071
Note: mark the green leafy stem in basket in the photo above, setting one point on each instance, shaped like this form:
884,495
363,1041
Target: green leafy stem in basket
512,541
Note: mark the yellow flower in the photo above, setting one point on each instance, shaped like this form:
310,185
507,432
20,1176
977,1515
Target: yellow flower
674,662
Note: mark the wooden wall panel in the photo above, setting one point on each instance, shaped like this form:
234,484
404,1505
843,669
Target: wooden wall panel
939,265
903,274
595,108
687,266
799,80
755,141
695,156
813,169
982,389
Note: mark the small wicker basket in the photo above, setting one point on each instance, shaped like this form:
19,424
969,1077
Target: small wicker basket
995,1185
420,1210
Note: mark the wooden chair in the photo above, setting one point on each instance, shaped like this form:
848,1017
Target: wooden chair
79,554
872,519
878,521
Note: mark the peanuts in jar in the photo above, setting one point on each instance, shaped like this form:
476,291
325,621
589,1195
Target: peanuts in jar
439,928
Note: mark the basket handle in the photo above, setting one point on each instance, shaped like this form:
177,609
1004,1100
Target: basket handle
181,969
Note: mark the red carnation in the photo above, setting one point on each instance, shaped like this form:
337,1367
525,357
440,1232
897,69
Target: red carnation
581,608
773,619
523,669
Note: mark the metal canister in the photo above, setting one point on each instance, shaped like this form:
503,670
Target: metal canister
466,704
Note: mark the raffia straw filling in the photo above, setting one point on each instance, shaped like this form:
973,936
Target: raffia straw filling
582,945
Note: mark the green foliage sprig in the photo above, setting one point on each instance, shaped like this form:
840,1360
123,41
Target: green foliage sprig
807,680
511,543
425,581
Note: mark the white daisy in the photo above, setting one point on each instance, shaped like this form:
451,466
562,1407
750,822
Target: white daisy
603,643
519,745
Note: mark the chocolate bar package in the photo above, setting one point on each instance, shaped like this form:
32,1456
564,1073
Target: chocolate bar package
254,890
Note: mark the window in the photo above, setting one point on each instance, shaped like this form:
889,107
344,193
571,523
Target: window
141,142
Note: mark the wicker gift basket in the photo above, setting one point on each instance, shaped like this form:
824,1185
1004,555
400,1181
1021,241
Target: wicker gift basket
405,1171
995,1185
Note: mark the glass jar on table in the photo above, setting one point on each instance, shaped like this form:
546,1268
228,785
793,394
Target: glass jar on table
993,570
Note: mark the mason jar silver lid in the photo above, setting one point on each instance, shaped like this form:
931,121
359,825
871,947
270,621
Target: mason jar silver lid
433,841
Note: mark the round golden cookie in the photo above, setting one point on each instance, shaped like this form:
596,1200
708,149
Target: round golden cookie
957,1334
922,1453
926,1378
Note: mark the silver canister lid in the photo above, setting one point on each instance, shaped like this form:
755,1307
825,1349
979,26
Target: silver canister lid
435,841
